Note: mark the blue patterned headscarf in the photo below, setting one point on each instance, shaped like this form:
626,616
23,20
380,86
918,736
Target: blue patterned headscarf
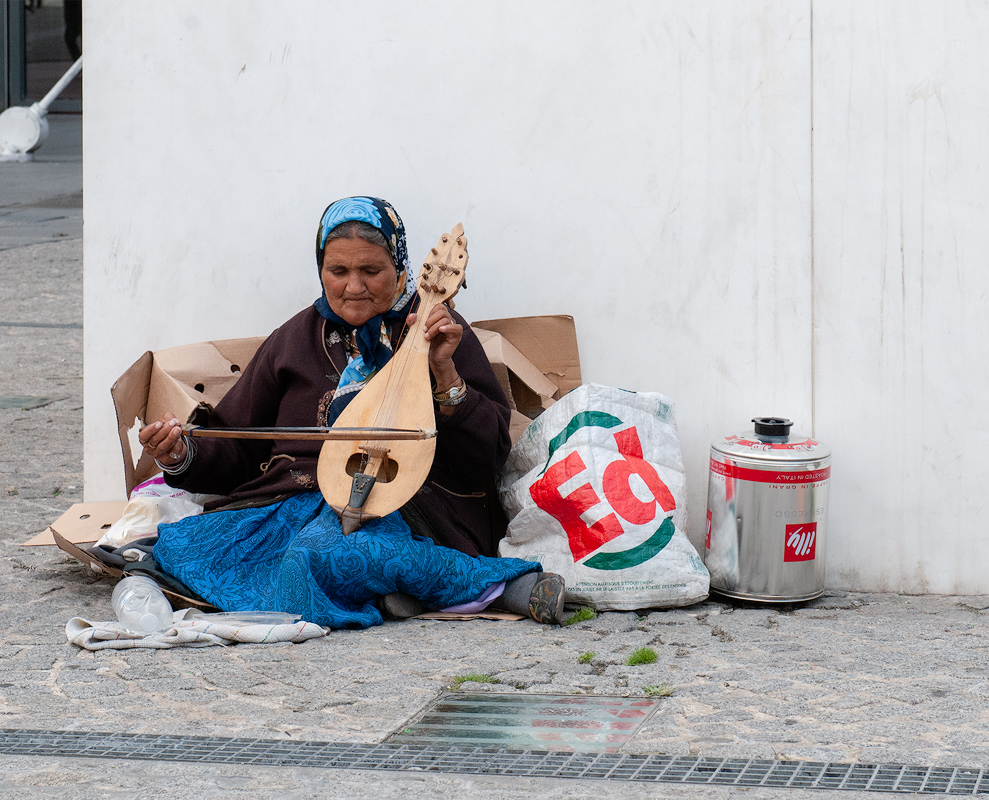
372,337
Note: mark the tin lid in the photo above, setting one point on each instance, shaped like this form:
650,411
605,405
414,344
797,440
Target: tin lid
772,441
772,426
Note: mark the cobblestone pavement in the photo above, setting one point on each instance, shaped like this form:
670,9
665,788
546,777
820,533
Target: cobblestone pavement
849,677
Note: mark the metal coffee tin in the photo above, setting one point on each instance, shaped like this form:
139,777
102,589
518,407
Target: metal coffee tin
767,514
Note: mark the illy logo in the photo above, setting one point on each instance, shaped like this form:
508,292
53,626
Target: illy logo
800,543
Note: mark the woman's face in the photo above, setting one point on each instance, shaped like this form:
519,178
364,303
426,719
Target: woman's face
359,279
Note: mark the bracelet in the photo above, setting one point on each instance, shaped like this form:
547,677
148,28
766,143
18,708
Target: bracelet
175,469
454,401
457,392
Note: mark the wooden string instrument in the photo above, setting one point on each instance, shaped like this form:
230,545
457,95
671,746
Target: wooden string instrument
373,476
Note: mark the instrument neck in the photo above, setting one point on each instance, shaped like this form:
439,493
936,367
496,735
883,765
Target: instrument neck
415,340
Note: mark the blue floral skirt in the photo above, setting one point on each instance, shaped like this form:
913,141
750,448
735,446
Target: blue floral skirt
292,556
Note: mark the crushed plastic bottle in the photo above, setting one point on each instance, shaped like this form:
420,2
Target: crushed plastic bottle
140,605
249,618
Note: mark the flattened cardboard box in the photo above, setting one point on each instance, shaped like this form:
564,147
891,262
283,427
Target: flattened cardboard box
549,343
176,380
83,523
535,359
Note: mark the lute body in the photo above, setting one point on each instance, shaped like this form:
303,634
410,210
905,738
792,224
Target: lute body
371,477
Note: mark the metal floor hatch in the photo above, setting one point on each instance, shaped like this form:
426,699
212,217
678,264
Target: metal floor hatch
571,723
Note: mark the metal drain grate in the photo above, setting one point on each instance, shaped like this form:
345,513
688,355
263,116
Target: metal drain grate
529,721
487,761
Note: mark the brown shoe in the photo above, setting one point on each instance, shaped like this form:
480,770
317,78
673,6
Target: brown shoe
546,600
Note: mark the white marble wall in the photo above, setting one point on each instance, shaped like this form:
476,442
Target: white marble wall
645,167
901,172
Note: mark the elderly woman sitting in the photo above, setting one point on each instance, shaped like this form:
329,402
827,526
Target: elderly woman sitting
272,542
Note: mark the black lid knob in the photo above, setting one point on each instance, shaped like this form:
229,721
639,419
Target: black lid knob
772,426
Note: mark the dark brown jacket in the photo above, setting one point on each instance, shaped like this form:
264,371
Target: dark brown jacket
290,382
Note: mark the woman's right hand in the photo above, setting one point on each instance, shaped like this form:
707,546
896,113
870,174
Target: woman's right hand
163,439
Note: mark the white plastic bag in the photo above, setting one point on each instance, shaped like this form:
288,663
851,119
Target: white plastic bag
156,487
151,504
595,491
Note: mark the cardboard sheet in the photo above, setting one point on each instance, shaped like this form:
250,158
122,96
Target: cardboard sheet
504,616
549,342
83,523
177,380
535,360
527,389
80,554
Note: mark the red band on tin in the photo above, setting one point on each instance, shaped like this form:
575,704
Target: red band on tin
806,445
770,475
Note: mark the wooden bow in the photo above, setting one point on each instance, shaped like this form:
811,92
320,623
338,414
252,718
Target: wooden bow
310,434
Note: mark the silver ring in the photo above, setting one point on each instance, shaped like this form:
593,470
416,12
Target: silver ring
175,456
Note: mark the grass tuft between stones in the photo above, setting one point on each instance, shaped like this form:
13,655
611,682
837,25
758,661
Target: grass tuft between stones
472,678
644,655
582,614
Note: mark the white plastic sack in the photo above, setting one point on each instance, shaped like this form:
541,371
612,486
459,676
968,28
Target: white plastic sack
151,504
156,487
595,491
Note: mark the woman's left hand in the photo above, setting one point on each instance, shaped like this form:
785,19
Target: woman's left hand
443,334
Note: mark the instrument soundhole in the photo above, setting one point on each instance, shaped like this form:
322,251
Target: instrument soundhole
358,462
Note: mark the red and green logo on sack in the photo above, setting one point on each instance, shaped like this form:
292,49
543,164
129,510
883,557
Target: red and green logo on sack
625,504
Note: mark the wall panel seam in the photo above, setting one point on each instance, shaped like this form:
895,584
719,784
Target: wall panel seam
813,277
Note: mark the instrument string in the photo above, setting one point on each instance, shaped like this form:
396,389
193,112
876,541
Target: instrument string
398,376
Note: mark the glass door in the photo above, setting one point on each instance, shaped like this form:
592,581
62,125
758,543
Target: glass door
52,43
39,41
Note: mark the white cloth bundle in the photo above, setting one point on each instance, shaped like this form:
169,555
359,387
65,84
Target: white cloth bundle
187,630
